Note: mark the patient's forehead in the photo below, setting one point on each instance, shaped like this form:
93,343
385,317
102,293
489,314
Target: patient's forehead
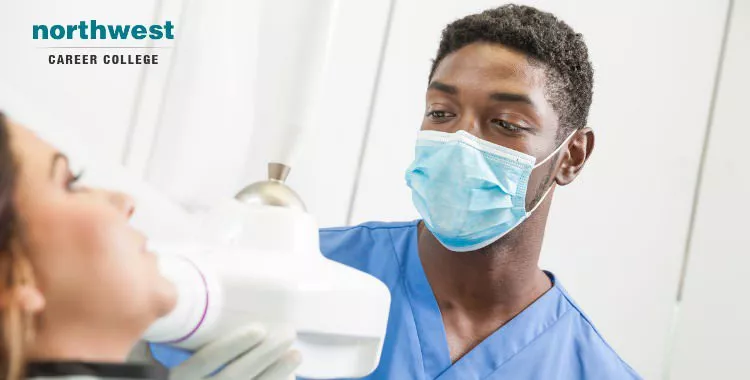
32,154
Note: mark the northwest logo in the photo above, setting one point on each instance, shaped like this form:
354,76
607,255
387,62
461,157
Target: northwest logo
91,30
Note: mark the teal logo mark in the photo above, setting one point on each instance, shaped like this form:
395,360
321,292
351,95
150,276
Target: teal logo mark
91,30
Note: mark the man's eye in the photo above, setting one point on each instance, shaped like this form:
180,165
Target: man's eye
439,115
507,125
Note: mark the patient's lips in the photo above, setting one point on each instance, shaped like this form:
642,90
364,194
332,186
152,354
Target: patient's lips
145,244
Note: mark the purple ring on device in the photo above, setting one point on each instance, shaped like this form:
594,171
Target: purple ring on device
205,307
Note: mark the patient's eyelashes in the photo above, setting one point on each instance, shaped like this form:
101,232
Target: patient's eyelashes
72,181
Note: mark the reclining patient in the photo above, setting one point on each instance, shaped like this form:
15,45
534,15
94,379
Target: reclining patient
78,287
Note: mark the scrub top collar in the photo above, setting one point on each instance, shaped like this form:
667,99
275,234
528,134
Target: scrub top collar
496,349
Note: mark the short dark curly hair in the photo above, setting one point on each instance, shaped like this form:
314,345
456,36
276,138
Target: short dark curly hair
545,40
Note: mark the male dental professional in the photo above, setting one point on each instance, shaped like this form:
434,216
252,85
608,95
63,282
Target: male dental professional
504,124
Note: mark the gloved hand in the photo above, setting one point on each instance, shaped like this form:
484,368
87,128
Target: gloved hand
250,352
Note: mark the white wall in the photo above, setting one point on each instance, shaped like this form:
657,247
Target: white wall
325,167
205,120
616,237
712,327
222,120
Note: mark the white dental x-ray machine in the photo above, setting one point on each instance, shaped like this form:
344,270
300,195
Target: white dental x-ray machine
266,266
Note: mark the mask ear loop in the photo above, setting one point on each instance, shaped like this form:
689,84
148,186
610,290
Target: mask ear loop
557,150
541,200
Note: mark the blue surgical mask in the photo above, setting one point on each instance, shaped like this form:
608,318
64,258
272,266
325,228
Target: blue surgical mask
470,192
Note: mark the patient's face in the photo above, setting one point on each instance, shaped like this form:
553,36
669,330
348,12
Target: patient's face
91,266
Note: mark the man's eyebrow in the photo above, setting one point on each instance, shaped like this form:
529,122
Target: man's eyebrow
509,97
442,87
57,156
497,96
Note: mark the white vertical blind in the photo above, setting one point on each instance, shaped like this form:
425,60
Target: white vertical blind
206,123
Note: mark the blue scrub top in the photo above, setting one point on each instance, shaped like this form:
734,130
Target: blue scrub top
551,339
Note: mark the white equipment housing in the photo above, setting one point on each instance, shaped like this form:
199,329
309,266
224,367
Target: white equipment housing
268,268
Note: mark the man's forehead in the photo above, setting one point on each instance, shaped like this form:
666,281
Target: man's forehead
486,62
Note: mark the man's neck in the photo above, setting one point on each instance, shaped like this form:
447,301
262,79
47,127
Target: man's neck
503,278
478,292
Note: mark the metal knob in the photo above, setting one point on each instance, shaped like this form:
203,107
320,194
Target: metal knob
273,191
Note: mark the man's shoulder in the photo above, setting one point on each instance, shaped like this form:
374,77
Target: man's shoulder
376,235
591,347
376,248
370,226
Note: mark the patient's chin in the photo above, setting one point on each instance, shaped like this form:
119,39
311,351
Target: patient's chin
165,297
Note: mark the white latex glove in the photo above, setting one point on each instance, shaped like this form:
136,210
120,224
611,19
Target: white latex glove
251,352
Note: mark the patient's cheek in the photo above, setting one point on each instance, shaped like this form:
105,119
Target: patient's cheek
95,233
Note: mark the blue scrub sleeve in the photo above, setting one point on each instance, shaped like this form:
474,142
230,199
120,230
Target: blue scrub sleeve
168,356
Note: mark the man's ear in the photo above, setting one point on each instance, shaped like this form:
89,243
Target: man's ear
580,147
